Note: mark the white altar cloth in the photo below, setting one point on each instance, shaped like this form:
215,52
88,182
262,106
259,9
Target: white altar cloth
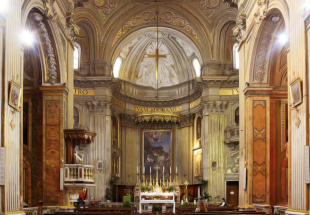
172,201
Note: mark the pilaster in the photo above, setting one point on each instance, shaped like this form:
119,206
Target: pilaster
54,100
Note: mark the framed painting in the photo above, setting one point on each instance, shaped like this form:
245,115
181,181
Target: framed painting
296,92
157,152
198,162
15,95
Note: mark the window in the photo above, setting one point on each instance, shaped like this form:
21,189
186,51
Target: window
76,56
236,56
197,67
117,67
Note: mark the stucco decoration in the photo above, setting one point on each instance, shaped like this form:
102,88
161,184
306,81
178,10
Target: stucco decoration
186,47
48,47
263,52
128,46
150,16
208,6
166,67
105,7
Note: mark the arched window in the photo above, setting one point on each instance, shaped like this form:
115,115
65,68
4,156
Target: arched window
197,67
236,56
117,67
76,56
76,116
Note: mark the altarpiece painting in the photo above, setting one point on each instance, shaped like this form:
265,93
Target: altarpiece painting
157,152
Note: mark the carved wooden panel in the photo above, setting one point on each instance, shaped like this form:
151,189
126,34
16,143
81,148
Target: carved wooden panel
259,152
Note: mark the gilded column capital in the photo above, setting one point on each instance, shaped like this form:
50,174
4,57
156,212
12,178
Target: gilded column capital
216,107
49,10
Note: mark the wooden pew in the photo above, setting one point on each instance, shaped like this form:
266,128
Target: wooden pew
108,209
224,213
89,213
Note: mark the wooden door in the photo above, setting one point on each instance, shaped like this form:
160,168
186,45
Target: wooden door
232,193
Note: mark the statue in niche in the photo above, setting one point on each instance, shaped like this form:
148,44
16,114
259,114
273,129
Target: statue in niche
237,116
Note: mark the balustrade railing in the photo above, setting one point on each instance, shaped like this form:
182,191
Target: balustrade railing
79,173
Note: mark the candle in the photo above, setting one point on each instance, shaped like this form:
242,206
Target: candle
170,169
150,170
176,171
181,202
167,181
137,169
153,181
144,170
163,169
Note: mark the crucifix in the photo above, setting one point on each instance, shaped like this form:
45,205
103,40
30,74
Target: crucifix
156,168
157,56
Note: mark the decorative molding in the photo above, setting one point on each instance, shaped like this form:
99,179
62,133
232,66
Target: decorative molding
297,123
187,120
259,168
216,107
47,46
96,107
150,16
12,124
128,120
49,10
104,7
259,134
261,13
72,28
209,6
239,31
259,200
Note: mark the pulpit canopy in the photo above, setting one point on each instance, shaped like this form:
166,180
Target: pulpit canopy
79,136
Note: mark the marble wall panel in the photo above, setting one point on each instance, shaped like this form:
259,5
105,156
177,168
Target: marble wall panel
52,169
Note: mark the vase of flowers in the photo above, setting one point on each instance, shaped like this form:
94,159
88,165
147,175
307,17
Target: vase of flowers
157,208
109,197
143,197
205,196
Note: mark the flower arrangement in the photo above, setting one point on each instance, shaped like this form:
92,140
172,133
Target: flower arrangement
150,188
127,203
205,195
171,188
108,196
143,197
143,188
157,208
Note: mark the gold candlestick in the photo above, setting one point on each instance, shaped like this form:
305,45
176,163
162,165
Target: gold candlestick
176,180
143,177
170,184
151,179
164,179
138,181
156,168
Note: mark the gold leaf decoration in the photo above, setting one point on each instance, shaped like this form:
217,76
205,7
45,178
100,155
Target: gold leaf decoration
150,16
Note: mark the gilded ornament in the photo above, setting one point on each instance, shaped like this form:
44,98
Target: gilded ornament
150,16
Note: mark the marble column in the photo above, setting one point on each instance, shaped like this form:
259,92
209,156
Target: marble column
100,150
11,195
205,143
70,85
216,149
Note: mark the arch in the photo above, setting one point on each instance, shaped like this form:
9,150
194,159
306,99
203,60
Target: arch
197,67
264,44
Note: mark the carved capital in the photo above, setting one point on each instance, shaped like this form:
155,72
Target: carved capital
72,29
47,46
217,107
49,10
96,107
240,28
108,109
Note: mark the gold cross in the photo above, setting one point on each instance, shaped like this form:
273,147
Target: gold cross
157,56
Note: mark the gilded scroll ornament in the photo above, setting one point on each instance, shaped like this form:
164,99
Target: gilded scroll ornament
297,123
208,6
150,16
105,7
157,117
73,29
261,13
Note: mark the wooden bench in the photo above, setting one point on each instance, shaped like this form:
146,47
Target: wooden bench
224,213
89,213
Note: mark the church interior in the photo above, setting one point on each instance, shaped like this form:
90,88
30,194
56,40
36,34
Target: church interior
177,107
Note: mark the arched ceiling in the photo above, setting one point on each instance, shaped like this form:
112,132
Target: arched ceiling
138,52
200,20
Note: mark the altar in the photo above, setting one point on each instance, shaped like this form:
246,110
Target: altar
154,201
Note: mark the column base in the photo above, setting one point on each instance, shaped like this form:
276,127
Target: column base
290,211
262,208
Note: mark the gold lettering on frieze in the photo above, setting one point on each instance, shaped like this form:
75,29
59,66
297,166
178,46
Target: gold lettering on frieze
118,103
145,109
84,92
195,103
229,92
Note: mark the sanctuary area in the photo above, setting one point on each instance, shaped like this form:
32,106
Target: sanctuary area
177,107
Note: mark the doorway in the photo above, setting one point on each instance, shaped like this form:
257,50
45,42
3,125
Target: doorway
232,193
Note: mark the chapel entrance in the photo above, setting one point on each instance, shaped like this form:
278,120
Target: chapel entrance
232,193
